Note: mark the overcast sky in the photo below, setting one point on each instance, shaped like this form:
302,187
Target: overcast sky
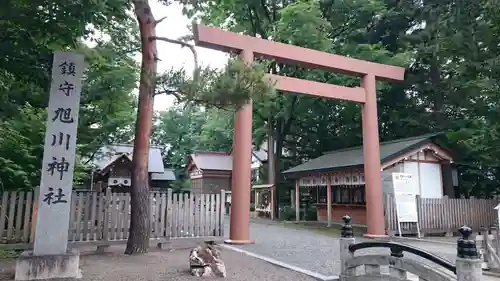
171,55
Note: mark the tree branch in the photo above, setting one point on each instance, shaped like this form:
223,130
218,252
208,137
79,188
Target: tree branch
257,25
256,112
160,20
290,117
266,11
179,98
252,23
183,44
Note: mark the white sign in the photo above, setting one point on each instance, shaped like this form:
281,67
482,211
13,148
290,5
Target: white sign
402,183
404,195
59,155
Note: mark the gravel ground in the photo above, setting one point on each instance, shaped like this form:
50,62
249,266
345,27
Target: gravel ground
319,253
300,248
169,265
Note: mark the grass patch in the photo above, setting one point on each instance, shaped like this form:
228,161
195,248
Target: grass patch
320,228
7,254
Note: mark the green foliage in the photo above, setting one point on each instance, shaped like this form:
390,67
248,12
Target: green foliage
232,87
311,213
252,207
31,32
21,142
180,130
451,52
450,49
287,213
9,254
181,186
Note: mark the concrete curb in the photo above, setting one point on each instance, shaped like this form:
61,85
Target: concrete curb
312,274
402,239
492,274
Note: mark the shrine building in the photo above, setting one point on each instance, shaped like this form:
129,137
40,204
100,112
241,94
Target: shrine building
341,172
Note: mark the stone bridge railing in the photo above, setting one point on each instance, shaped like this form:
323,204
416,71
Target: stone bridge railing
370,267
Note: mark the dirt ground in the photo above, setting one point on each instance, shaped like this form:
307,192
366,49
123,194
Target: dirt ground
166,265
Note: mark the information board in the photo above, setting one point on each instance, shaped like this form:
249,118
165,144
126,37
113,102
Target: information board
405,197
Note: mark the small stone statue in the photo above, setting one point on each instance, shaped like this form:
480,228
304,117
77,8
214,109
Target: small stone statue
205,260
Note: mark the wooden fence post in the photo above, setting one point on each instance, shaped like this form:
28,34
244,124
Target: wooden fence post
106,222
222,211
169,213
34,213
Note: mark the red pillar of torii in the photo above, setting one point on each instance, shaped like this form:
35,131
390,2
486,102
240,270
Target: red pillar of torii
248,47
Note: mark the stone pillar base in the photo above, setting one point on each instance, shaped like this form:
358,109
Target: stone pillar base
469,269
31,267
376,236
239,242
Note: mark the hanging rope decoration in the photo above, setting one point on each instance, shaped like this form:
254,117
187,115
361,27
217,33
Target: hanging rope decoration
347,187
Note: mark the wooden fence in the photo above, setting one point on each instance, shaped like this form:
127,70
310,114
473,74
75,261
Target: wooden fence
443,215
104,218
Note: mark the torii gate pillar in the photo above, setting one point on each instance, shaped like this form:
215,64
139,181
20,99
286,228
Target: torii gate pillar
241,176
247,47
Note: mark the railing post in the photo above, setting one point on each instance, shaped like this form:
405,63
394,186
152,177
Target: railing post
481,245
495,243
468,260
346,240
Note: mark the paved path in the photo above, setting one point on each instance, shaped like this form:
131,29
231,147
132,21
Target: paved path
300,248
319,253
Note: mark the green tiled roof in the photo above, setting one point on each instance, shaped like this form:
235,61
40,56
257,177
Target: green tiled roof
353,156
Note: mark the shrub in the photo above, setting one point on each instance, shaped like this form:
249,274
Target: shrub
287,213
311,214
9,254
252,207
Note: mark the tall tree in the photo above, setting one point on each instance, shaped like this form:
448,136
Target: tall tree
138,240
298,123
31,37
237,81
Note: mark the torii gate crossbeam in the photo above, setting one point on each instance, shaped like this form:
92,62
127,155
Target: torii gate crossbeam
248,47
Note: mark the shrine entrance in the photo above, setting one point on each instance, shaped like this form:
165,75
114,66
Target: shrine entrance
263,197
248,47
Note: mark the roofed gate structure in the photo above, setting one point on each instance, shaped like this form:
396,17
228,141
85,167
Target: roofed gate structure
336,179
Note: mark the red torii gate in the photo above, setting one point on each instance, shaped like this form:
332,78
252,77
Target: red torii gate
248,47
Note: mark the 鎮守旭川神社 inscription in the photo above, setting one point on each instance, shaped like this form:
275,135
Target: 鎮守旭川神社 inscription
59,154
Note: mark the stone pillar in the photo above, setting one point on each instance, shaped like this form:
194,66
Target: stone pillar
468,260
371,154
242,176
50,258
346,240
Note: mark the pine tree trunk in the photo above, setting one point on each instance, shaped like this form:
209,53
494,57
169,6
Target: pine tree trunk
138,240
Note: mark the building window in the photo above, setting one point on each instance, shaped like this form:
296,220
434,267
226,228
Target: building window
348,194
322,194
